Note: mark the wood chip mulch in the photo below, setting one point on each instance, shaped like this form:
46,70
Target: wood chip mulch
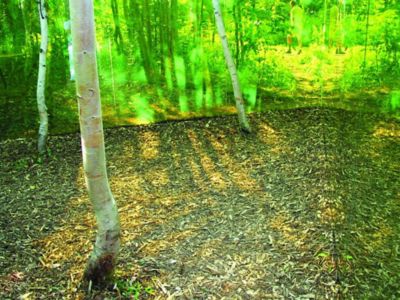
306,207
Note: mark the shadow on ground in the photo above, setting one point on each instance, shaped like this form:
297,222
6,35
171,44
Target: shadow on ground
306,207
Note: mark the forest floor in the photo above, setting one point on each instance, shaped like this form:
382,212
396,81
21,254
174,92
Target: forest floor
305,207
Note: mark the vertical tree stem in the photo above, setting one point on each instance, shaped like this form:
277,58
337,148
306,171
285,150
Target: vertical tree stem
41,84
244,125
102,261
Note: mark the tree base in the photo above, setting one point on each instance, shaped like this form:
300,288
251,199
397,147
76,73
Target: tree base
245,128
100,271
42,149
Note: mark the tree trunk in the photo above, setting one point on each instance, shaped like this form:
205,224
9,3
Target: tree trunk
102,261
117,27
366,34
148,63
147,18
41,84
244,125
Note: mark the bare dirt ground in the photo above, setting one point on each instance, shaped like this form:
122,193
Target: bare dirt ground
306,207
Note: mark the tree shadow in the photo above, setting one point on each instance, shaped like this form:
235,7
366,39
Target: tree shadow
206,211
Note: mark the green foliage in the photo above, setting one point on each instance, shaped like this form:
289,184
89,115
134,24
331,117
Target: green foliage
395,100
140,105
145,47
21,164
131,289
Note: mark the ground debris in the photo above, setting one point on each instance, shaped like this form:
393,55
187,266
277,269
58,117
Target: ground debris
306,207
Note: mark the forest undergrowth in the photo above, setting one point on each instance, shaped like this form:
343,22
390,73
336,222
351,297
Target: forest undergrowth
306,207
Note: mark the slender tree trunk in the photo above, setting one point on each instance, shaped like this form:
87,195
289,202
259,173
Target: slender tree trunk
129,22
244,125
236,21
24,23
324,23
102,261
117,27
174,26
147,19
163,35
147,58
366,34
41,84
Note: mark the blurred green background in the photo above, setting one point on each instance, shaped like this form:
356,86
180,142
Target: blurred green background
163,60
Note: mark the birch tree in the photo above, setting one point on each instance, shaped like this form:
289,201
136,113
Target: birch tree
244,124
41,84
102,261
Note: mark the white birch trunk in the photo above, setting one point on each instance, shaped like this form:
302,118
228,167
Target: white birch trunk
244,125
102,261
41,84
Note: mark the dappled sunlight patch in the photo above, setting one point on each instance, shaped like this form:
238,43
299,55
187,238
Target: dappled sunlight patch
79,201
236,170
141,218
215,177
287,228
378,237
385,130
133,223
134,121
272,138
149,144
129,150
330,211
267,134
168,202
157,177
208,165
80,177
120,183
69,243
209,248
154,247
196,172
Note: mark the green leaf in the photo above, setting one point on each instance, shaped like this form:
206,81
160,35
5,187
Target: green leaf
323,254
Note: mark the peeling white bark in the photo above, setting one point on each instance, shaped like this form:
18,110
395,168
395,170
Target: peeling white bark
41,84
103,258
244,125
